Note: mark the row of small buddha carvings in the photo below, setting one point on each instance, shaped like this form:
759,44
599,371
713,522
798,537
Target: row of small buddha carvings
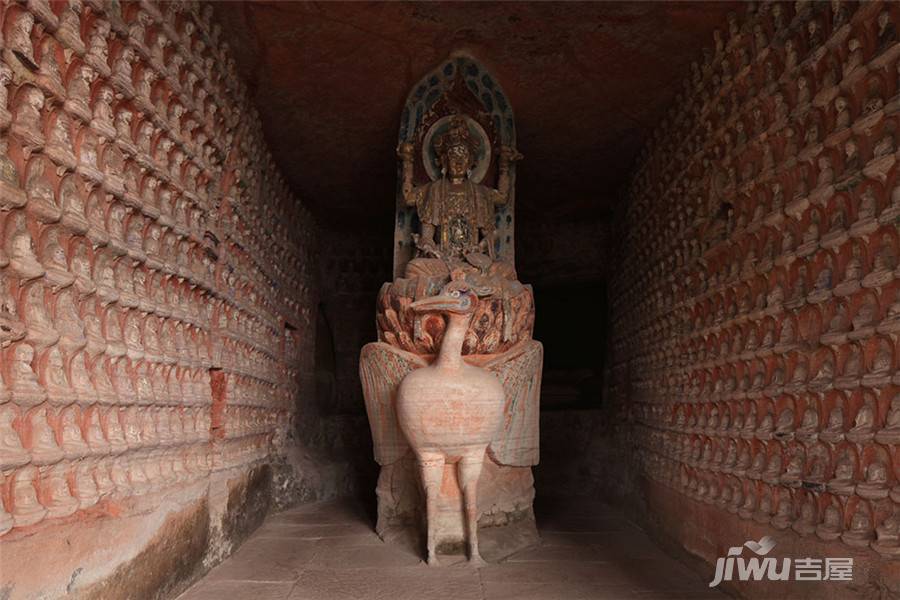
32,495
732,281
860,417
755,340
860,513
141,189
640,201
120,248
136,316
759,91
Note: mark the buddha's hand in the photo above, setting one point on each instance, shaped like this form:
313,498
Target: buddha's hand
510,154
426,246
405,151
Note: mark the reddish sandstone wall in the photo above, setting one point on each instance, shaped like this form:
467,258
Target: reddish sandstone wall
756,309
155,300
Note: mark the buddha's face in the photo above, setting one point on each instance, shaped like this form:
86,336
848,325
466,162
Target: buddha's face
458,161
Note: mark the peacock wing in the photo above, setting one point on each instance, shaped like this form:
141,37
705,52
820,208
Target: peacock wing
381,368
519,369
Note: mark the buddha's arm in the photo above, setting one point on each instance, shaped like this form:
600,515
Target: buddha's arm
425,241
507,156
411,194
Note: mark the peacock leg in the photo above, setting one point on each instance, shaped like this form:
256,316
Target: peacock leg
468,473
432,468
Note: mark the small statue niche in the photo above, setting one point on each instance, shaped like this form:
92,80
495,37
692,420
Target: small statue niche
890,434
40,191
19,247
53,259
887,535
88,164
26,121
14,454
844,476
86,489
93,330
78,90
855,58
11,327
122,68
887,32
115,226
44,449
39,327
833,432
883,265
842,113
6,78
85,393
875,486
97,53
861,533
862,431
23,386
26,508
71,327
73,443
102,114
73,217
59,140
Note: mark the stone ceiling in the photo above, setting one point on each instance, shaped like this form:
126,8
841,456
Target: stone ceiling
588,83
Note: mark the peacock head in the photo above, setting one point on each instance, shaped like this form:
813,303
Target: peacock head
457,297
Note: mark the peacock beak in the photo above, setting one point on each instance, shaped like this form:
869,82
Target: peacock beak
441,303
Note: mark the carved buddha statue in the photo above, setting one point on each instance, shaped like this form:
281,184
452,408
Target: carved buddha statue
875,486
70,324
842,483
809,425
860,533
863,425
11,326
53,259
457,210
834,429
81,380
20,248
864,318
27,510
890,434
14,454
44,449
831,527
806,523
884,263
39,326
882,366
887,32
11,193
766,426
887,536
23,387
784,427
842,119
793,473
823,379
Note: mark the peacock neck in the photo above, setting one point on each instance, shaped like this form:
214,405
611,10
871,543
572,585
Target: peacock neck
450,355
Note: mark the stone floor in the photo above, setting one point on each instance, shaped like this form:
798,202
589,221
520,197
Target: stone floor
328,551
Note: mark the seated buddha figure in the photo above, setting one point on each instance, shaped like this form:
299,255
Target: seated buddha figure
890,434
458,211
